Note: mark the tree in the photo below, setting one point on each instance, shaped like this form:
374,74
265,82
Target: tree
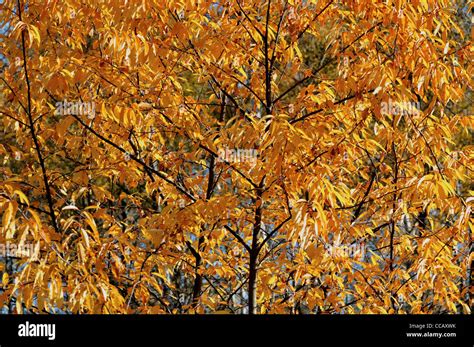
242,156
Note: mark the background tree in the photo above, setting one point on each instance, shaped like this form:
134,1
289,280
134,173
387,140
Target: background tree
240,156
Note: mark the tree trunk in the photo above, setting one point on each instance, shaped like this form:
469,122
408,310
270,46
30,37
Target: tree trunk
252,292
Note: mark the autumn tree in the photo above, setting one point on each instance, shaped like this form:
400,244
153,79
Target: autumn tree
247,156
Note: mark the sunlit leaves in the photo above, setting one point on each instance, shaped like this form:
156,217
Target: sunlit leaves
322,148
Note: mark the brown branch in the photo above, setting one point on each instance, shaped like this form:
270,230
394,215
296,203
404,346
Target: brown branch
49,196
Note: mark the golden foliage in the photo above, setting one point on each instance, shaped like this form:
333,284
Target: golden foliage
177,156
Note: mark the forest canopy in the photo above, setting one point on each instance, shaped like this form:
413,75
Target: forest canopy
245,156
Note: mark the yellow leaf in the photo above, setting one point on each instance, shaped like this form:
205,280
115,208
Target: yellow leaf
90,221
22,197
33,34
7,216
5,279
35,217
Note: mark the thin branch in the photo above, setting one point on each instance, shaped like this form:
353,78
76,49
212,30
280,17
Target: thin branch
49,196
